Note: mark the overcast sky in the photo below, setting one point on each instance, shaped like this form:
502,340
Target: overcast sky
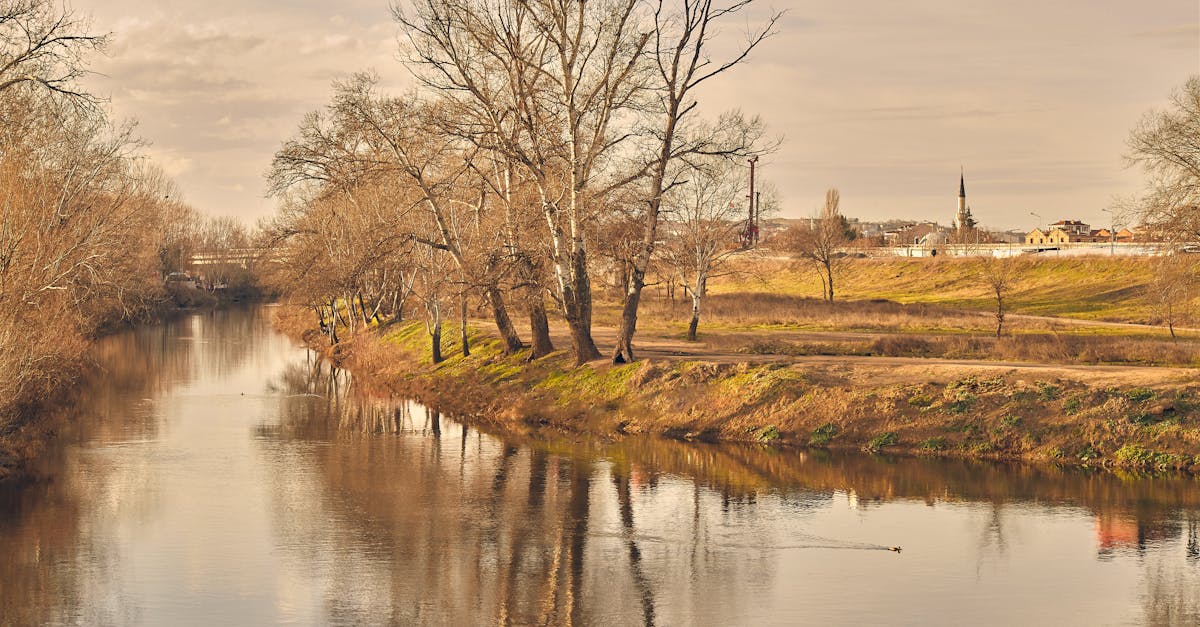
882,99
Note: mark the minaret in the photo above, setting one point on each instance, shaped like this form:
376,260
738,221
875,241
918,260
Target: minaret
962,196
963,220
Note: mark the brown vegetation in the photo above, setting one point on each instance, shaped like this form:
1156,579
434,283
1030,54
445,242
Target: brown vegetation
84,221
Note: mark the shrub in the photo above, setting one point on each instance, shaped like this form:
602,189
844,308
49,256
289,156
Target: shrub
823,434
933,444
881,441
1144,419
920,400
1133,455
768,434
1071,405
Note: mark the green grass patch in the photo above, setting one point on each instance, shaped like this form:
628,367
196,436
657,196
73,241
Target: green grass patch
933,444
880,442
823,434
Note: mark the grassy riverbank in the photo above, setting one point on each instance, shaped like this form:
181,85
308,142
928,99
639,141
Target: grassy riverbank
1147,419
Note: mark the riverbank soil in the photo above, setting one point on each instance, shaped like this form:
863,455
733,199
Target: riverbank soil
1125,415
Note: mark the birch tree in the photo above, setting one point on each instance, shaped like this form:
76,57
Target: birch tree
702,229
683,38
548,83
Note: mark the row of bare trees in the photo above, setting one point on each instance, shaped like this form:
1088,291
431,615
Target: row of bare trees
82,216
546,146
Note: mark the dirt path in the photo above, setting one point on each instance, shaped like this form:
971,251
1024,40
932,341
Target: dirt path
877,370
1078,322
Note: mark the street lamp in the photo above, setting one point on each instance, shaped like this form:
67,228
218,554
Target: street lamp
1112,232
1039,217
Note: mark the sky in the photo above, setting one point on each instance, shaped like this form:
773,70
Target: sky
884,100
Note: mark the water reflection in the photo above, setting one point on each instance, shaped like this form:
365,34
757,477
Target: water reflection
653,531
214,473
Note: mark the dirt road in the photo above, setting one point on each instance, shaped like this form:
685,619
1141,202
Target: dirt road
878,370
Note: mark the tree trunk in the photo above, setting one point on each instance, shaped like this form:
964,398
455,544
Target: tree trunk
577,308
462,326
362,309
351,313
320,319
999,317
539,325
504,324
435,342
333,322
623,351
829,275
695,323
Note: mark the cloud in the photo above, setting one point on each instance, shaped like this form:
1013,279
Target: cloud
883,99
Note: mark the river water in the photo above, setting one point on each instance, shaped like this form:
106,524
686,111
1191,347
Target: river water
213,473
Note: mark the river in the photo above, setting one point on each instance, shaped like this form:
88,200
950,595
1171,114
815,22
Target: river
212,472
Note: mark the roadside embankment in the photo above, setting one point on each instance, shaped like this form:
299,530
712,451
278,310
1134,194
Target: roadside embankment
1118,417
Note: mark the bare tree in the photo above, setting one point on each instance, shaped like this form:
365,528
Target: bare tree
680,51
1166,144
545,82
1172,290
42,43
407,140
999,274
702,232
821,241
80,221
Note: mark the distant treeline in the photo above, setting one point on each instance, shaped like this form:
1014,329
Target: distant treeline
88,227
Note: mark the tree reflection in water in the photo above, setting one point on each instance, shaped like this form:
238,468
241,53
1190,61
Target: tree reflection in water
472,527
57,518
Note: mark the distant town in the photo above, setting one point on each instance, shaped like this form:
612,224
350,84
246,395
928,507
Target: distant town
964,236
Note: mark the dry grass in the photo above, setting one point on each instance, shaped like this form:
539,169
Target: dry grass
756,310
1036,348
1092,288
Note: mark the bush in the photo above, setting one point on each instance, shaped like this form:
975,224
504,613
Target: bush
920,400
933,444
768,434
823,434
1134,456
881,441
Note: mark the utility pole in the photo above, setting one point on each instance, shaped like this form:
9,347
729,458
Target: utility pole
751,236
757,216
